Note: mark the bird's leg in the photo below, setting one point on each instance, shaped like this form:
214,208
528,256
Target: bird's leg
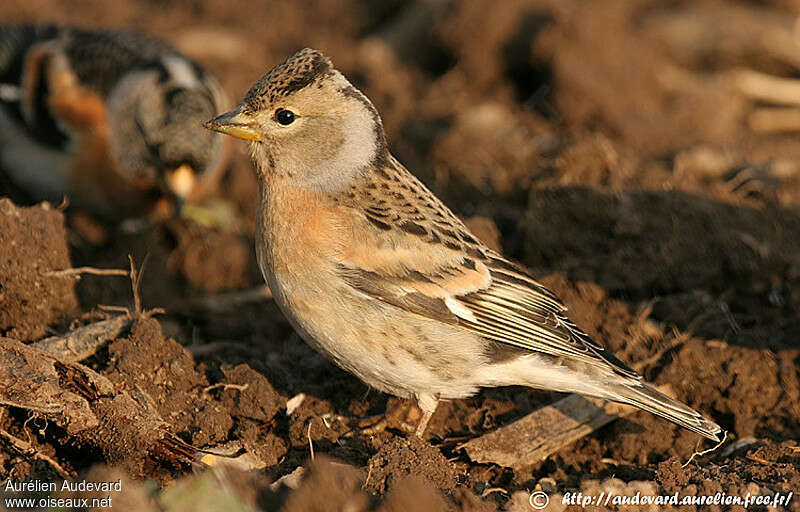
427,403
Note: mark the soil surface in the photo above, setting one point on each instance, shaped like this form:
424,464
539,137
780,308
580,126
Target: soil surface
612,147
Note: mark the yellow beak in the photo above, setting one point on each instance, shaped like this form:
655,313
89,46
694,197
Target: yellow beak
236,124
181,181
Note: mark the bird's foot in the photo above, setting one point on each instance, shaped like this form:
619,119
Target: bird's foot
403,415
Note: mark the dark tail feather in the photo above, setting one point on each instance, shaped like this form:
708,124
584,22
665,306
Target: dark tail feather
647,398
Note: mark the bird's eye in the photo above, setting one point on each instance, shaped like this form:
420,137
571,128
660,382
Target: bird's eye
284,117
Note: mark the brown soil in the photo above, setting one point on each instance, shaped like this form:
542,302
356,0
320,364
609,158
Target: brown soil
33,245
605,145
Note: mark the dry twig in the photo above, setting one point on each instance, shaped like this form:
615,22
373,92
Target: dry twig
706,452
26,449
310,441
223,385
136,283
205,349
79,271
228,301
83,342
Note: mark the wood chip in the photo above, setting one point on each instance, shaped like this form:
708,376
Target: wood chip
543,432
83,342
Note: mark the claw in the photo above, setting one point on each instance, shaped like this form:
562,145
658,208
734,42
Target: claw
400,415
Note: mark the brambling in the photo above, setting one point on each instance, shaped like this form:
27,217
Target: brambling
375,272
112,120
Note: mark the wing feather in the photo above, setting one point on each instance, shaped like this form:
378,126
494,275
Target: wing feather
438,269
503,311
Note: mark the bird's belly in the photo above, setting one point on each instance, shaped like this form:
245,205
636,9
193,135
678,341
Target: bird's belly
389,349
81,172
40,170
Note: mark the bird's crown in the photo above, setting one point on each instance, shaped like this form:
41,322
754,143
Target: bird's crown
295,73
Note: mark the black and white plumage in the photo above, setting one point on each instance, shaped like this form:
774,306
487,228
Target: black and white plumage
112,120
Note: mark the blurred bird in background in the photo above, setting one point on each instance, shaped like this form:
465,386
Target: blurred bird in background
111,120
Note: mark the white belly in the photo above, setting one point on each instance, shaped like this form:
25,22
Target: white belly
40,170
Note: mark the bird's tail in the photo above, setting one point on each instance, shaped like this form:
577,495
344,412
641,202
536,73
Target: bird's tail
645,397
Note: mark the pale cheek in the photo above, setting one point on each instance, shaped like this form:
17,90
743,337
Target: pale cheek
315,144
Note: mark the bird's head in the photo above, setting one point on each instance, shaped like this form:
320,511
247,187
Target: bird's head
154,113
307,123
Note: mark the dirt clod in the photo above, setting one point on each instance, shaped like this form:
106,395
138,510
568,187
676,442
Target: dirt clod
33,242
403,457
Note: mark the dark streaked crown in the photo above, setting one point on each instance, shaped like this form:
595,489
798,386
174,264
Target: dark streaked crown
297,72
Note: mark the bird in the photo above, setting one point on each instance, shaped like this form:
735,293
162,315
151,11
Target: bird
111,120
375,272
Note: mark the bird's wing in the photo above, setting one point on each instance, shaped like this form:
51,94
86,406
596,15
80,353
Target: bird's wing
443,272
